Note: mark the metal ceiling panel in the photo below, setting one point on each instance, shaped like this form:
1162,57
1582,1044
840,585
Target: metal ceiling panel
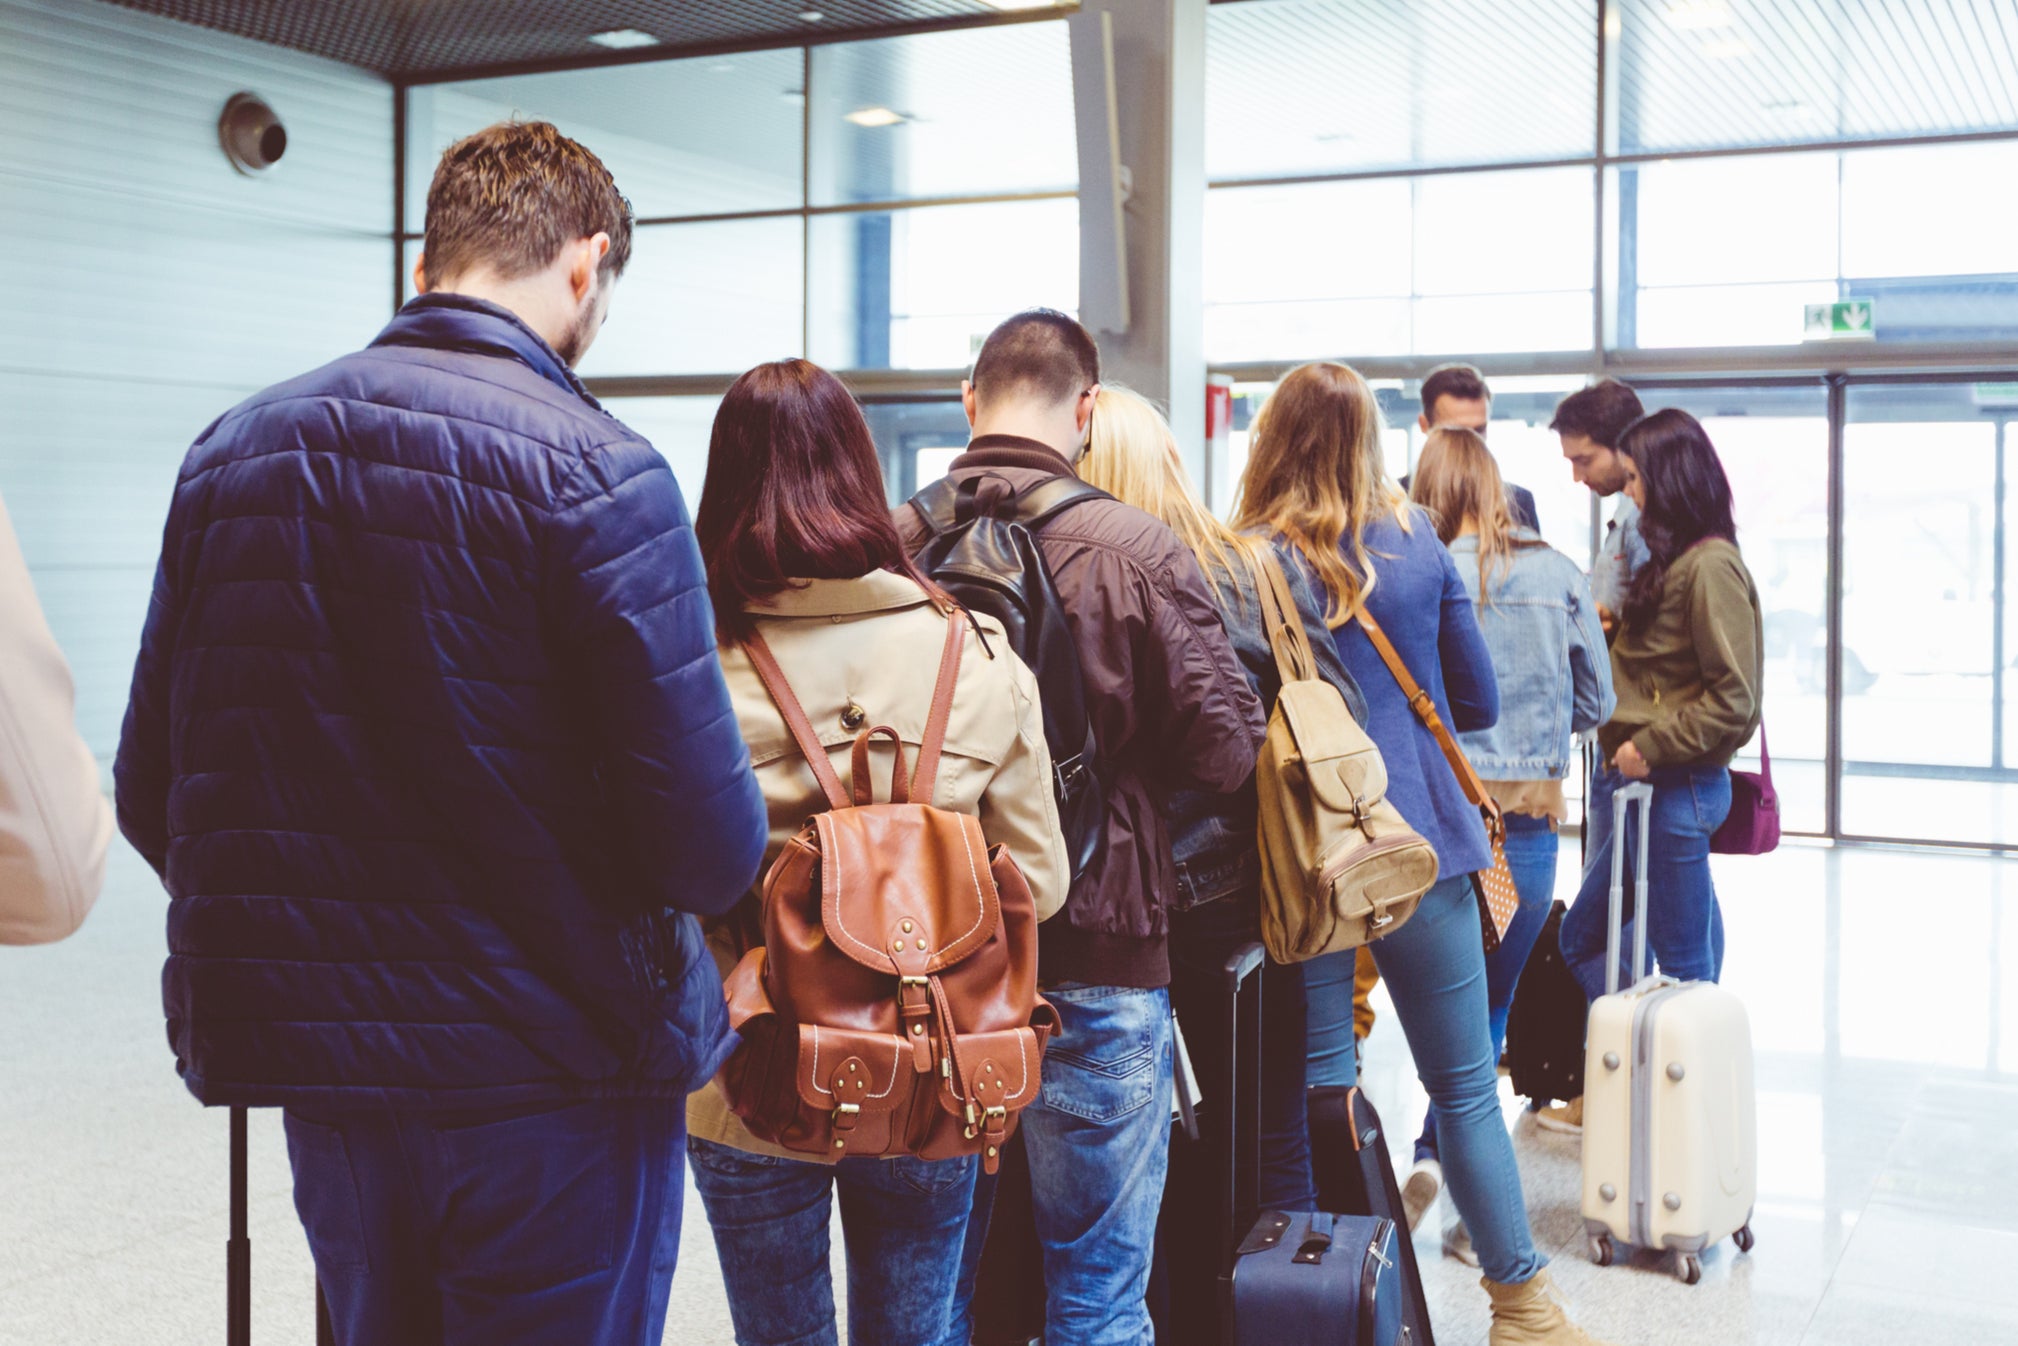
1340,86
424,39
1733,74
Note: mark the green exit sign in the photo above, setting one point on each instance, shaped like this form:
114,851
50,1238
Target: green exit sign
1855,319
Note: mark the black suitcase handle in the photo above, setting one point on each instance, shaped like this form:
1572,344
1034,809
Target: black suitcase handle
238,1257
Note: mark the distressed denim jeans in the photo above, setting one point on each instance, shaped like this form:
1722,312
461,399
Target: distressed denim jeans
904,1219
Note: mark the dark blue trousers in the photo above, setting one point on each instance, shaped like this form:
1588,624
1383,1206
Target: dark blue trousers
554,1223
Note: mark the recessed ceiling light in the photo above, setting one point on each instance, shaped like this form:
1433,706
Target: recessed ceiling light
1333,137
1024,4
1727,49
874,116
1688,14
623,39
810,16
722,68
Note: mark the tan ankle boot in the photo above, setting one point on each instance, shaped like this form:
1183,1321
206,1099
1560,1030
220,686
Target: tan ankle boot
1528,1315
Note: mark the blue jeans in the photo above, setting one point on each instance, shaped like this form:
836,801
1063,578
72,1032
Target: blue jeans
1531,846
1098,1138
1685,924
904,1221
532,1224
1434,967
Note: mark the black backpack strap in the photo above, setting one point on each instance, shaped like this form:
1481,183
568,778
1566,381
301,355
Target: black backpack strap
947,503
1049,498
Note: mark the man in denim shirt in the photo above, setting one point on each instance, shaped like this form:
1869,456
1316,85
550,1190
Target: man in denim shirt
1589,422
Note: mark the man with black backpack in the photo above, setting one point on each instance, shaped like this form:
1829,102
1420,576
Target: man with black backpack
1167,703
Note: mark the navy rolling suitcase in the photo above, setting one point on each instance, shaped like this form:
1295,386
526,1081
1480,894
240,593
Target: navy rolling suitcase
1293,1278
1355,1173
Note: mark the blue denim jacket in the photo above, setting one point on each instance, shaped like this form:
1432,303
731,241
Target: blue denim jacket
1213,835
1555,675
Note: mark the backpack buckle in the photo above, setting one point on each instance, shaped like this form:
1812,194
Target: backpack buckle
844,1116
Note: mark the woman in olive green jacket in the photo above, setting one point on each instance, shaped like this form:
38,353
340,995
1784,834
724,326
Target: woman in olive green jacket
1686,666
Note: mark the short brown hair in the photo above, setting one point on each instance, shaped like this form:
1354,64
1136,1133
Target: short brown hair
1460,381
1040,351
1600,413
513,195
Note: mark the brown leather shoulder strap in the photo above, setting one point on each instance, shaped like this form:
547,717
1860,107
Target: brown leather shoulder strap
795,720
927,773
1424,706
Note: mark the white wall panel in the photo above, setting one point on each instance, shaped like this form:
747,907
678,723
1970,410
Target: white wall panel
146,286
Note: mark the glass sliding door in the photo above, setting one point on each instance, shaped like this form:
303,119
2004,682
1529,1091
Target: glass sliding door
1926,655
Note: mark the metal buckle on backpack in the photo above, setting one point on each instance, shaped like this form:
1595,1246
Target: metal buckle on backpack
844,1116
914,981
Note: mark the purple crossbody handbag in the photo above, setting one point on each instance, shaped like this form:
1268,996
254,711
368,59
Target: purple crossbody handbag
1753,825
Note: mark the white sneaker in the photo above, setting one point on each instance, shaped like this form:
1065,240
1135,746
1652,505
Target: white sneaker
1420,1191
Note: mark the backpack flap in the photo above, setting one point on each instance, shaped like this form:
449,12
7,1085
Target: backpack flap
1342,764
903,890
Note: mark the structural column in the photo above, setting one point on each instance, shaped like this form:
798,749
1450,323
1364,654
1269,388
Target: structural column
1142,200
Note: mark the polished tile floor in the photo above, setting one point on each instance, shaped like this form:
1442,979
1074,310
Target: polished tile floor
1888,1117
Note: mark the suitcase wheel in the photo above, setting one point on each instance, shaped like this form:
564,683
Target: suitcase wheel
1601,1249
1743,1238
1689,1268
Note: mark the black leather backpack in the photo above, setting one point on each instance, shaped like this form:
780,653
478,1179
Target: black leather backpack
983,550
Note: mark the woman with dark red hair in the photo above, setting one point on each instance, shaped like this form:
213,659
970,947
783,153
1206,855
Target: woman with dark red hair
800,547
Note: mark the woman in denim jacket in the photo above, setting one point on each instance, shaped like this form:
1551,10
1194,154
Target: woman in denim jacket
1555,681
1216,908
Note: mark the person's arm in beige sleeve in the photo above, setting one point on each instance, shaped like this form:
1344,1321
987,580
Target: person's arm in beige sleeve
55,824
1018,809
1724,628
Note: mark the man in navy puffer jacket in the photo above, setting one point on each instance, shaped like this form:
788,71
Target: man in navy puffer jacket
429,743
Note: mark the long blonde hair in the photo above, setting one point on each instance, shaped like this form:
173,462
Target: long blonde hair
1316,476
1133,456
1456,479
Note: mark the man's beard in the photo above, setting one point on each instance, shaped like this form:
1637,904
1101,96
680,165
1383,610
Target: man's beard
572,346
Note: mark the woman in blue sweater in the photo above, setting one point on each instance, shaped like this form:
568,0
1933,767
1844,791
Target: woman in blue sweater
1316,478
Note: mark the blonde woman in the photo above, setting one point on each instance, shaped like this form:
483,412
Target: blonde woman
1555,681
1133,456
1316,479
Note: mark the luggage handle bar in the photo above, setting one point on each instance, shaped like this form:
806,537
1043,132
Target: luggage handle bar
1241,978
1642,794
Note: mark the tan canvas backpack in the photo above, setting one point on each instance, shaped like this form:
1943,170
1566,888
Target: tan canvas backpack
892,1008
1339,865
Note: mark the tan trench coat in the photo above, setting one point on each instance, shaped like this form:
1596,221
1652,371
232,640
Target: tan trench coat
875,643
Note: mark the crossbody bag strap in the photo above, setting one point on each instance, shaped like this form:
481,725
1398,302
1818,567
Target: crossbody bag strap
1424,706
927,773
794,714
1295,661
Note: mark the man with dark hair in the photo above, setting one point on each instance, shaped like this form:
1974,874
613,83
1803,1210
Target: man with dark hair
1589,422
1458,395
1169,704
429,742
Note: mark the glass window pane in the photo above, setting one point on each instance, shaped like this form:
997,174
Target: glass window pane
678,428
1715,74
1316,86
917,441
1732,251
692,137
704,298
919,289
986,110
1394,264
1921,683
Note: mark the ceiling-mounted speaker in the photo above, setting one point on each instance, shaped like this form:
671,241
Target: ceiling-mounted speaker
251,134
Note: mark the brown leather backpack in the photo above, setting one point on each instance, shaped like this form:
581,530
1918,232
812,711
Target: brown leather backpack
892,1008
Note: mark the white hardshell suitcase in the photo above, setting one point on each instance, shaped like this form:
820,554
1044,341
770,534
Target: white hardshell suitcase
1670,1135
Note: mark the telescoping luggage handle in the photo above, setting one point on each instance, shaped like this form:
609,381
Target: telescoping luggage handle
238,1258
1643,795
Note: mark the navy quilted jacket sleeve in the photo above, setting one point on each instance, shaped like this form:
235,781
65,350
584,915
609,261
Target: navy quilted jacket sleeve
627,598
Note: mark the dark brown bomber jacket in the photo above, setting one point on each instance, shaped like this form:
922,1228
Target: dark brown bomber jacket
1169,703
